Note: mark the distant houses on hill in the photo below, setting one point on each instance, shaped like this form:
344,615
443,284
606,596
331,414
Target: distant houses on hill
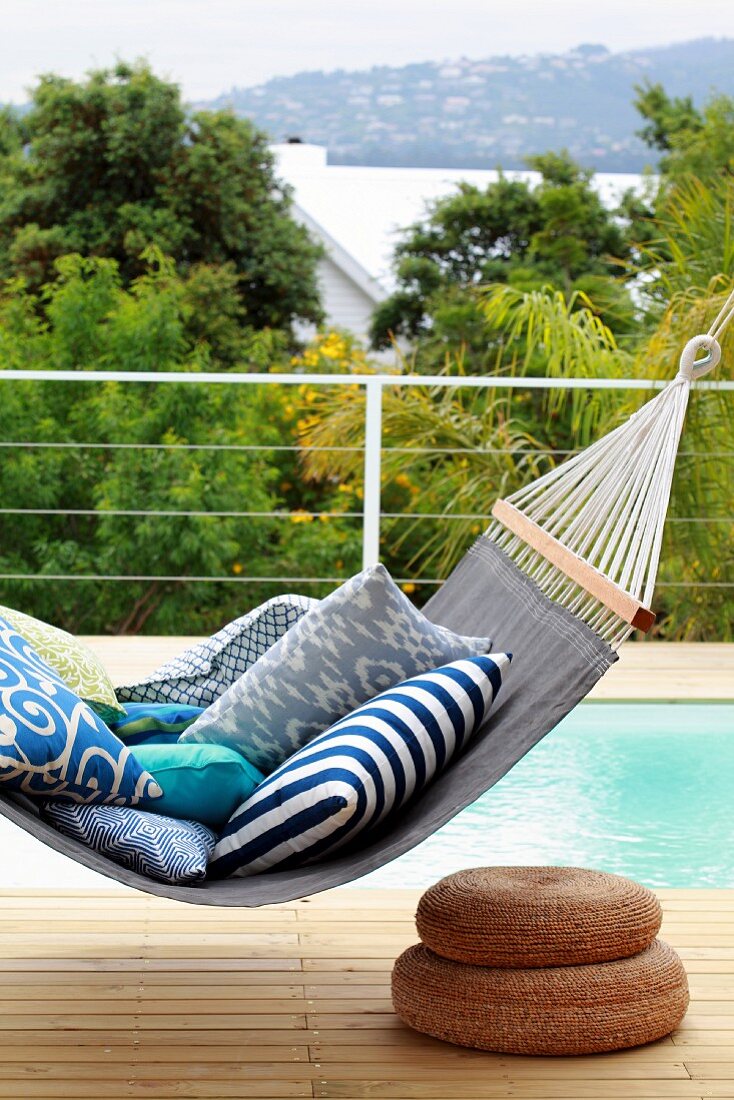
480,113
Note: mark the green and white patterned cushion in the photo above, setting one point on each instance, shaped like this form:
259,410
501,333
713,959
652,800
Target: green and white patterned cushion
79,668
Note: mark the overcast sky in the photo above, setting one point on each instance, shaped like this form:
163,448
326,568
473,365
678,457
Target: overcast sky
208,46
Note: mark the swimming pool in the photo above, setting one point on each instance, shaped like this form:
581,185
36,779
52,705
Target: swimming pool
644,789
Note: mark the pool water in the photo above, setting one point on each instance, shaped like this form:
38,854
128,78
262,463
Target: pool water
644,789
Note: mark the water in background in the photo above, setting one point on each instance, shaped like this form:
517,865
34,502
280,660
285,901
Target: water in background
645,790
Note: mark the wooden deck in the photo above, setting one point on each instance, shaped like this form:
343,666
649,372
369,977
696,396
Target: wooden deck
114,994
645,670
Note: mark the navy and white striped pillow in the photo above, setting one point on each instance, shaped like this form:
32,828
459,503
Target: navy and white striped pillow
163,848
363,768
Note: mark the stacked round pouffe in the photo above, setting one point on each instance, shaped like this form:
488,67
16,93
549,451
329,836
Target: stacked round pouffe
540,960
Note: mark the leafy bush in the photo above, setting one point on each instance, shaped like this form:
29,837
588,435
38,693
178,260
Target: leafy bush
168,457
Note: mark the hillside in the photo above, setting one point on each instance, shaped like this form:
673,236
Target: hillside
484,113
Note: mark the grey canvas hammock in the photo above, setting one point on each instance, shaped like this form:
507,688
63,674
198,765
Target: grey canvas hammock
561,578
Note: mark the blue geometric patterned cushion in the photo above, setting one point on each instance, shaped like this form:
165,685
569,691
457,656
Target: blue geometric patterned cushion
360,771
162,848
51,742
200,674
364,637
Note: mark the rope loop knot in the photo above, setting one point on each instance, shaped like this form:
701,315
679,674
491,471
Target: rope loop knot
692,368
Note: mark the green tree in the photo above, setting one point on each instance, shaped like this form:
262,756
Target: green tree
11,131
558,232
694,142
116,163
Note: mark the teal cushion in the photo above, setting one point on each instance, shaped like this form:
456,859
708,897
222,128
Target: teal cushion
204,783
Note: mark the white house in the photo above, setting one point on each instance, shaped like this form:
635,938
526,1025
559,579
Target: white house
358,212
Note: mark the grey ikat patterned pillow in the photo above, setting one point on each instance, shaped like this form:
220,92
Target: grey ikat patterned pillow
364,638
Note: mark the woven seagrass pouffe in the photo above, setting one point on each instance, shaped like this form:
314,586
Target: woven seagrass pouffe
537,916
540,960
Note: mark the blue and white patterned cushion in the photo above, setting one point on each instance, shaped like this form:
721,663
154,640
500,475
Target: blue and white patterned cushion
52,742
162,848
363,769
149,723
200,674
363,638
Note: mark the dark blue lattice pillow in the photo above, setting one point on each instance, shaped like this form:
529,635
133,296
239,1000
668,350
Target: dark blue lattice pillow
204,672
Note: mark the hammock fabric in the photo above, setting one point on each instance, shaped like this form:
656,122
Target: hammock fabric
561,578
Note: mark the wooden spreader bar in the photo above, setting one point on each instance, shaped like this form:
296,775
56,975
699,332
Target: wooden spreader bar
574,567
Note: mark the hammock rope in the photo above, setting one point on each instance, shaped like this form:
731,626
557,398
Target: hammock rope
723,318
589,532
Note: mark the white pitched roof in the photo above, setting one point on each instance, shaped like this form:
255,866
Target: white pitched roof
345,261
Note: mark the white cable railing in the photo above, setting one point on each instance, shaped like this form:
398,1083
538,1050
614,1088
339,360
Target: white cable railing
373,450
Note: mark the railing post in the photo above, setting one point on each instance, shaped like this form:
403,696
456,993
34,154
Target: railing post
372,473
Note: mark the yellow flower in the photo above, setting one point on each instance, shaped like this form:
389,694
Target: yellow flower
403,481
409,588
345,488
301,516
324,518
237,568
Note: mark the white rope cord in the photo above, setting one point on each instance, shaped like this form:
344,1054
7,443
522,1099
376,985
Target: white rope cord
608,504
724,316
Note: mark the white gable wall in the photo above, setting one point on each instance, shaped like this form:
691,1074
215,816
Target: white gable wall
345,304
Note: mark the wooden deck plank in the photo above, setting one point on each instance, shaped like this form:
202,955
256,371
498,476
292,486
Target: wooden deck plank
120,995
99,1051
79,1089
510,1089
